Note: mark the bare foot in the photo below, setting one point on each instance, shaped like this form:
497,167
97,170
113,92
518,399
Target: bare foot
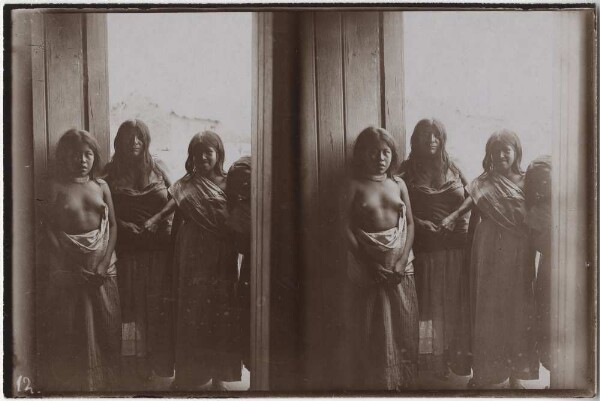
219,385
515,384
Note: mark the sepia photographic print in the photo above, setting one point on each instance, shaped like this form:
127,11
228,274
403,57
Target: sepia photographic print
317,200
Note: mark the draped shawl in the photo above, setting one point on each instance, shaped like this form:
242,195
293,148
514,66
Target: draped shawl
202,202
87,250
500,200
382,247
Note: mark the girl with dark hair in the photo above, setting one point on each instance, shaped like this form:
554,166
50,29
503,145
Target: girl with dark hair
83,318
138,183
379,228
437,189
502,269
207,335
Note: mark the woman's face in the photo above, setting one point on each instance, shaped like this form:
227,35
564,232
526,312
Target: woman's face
378,158
429,143
136,146
206,159
81,161
132,143
503,157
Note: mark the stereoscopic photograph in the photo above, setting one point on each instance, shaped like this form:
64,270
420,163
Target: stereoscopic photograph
232,201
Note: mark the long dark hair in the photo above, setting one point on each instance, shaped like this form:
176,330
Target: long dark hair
423,128
122,164
507,138
69,142
368,138
201,141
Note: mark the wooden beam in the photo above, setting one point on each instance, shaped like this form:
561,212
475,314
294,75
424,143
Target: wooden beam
392,38
262,107
96,85
573,268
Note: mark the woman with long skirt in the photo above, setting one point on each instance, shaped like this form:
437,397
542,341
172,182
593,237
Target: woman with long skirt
502,269
83,324
207,336
379,228
138,184
437,189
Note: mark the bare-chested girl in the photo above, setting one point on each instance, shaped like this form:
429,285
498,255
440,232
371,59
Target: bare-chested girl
84,325
380,232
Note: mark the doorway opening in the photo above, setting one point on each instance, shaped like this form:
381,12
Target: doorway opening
183,74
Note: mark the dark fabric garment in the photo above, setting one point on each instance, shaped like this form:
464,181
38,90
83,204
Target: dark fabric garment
144,267
202,202
136,206
539,221
144,288
435,204
442,284
502,268
208,330
441,276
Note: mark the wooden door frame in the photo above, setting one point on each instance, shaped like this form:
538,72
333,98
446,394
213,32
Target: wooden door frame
262,168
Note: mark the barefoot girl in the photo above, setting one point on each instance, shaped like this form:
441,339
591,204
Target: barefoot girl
84,325
380,232
207,339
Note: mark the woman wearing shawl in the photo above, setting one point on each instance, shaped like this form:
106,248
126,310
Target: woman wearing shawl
538,196
238,198
379,227
502,269
139,190
437,189
83,318
207,335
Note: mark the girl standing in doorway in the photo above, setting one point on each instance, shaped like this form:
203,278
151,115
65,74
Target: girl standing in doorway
138,183
502,269
83,320
207,334
437,189
379,228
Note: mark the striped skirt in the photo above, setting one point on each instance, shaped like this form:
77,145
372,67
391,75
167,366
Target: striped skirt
442,284
385,335
146,308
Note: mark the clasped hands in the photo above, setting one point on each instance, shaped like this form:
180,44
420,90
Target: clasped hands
446,225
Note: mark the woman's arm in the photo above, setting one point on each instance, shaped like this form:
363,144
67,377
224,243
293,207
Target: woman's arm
112,222
410,229
450,221
152,222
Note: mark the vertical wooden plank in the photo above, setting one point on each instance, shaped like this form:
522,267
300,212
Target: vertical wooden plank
571,269
96,56
21,304
261,196
361,74
312,318
393,78
40,160
64,72
331,170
